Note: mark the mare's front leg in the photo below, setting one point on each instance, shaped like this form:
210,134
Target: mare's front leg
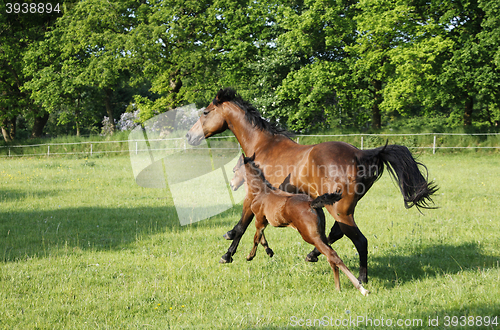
238,231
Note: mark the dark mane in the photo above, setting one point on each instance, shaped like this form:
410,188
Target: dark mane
251,113
256,168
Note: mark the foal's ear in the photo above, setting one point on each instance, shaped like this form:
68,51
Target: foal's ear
246,160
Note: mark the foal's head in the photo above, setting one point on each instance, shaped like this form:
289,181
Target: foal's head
239,175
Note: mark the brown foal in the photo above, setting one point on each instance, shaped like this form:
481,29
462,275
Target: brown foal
236,182
299,211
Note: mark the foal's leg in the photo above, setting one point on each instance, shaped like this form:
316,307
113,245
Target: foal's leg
345,222
335,261
264,243
230,235
238,231
260,225
335,234
312,235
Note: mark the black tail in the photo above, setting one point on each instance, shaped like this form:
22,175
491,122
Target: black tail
326,199
405,170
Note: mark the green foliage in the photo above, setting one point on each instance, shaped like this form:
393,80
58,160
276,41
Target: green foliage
314,64
18,34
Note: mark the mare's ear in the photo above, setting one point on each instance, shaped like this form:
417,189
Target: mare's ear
224,95
218,99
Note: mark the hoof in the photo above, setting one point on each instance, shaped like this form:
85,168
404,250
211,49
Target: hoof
363,291
226,259
250,258
312,258
269,252
229,235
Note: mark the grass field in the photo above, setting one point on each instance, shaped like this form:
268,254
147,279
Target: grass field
83,247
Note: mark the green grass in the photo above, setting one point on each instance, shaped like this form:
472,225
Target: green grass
83,247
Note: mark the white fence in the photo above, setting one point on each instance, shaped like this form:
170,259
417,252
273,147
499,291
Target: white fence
361,142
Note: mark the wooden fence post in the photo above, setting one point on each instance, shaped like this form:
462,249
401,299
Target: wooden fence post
434,145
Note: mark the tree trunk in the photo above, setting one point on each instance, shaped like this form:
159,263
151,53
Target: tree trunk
8,131
109,109
40,122
469,104
13,128
376,116
5,134
77,117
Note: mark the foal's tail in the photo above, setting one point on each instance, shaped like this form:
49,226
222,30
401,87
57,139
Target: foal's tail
326,199
414,186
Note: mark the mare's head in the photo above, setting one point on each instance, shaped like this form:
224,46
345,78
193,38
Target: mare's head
239,175
212,120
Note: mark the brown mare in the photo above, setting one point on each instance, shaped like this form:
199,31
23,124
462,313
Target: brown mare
314,169
299,211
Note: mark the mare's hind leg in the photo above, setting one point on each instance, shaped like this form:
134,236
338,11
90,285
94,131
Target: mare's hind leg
238,231
361,244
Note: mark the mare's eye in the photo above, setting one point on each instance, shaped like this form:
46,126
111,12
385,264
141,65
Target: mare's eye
206,113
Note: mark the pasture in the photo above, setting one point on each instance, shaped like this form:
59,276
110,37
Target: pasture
83,247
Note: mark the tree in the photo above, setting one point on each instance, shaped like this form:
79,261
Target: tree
449,62
84,53
173,48
19,32
383,29
191,49
319,91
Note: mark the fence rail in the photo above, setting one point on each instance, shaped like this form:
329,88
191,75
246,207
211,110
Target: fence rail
359,139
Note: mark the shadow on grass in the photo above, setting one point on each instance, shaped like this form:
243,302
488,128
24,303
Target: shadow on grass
7,195
430,261
35,233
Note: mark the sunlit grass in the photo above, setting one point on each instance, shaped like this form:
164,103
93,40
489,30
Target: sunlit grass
83,247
